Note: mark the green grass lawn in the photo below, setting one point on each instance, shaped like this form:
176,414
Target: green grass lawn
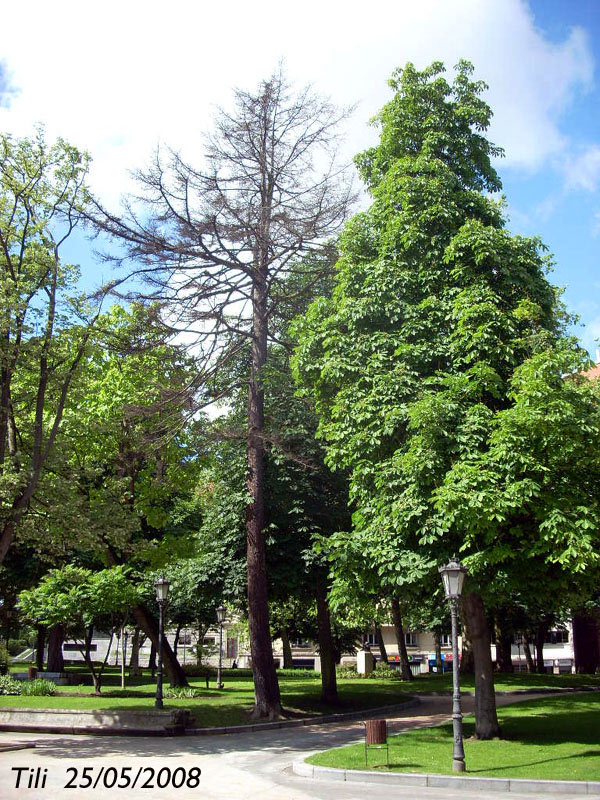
554,738
229,706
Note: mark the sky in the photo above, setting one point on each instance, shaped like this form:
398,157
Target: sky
119,78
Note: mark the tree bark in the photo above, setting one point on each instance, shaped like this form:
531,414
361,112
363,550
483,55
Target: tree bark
399,630
383,657
586,644
329,692
152,659
40,643
267,700
467,660
149,625
134,658
503,649
176,640
56,637
486,719
540,638
439,664
288,661
527,652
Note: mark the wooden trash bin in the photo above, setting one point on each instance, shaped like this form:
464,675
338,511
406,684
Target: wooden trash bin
376,737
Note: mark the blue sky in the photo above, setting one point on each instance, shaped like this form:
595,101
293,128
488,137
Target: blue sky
118,78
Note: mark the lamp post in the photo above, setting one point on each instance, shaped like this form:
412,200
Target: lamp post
453,577
221,614
162,592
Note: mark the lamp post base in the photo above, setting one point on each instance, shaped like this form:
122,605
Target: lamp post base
458,766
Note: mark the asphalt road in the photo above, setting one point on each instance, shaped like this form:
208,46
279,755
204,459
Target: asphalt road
234,767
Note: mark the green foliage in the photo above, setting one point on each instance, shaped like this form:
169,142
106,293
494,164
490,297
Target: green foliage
77,598
38,687
438,369
9,685
181,692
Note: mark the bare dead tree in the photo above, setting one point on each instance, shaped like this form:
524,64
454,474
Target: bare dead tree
214,244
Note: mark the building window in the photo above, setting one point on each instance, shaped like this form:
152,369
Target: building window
410,639
232,647
370,639
559,636
185,638
69,647
446,640
209,640
300,643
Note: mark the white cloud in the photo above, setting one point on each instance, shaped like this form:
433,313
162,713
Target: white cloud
117,77
583,170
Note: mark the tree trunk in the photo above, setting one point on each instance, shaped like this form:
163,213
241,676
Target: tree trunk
329,692
399,630
503,649
176,640
40,643
267,700
467,659
288,661
486,719
149,625
586,644
383,657
439,664
56,637
152,659
528,656
134,658
88,641
540,638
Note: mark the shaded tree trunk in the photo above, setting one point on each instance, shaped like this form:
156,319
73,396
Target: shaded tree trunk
439,664
176,640
149,625
134,658
586,644
267,700
56,637
467,659
40,643
288,661
540,638
486,718
152,659
399,630
329,692
383,656
503,649
89,635
527,652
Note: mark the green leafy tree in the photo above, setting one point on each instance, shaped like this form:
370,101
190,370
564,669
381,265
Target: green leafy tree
45,323
78,599
420,365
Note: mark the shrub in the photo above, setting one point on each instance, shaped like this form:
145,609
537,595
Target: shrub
9,685
181,692
39,687
347,671
298,672
383,670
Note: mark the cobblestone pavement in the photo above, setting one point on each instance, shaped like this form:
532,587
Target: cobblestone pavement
234,767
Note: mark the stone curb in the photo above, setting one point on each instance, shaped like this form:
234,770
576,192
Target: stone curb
304,770
4,748
299,723
180,731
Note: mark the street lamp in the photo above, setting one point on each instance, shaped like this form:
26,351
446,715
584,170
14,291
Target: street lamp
162,592
221,614
453,577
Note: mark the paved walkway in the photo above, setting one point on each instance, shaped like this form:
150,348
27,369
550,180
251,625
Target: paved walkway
236,767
